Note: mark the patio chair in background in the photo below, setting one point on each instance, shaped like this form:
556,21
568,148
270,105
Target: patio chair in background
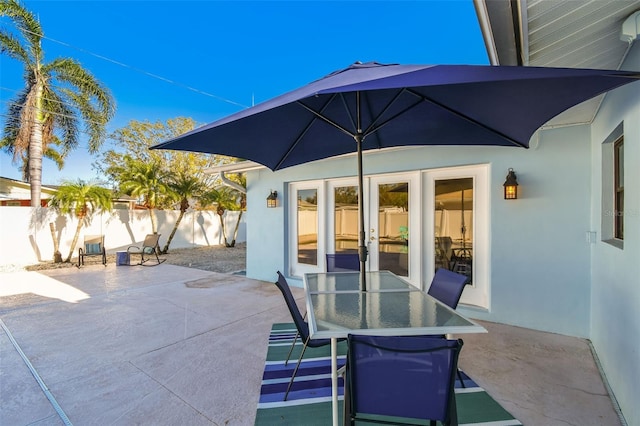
342,262
394,378
301,326
149,248
447,287
93,246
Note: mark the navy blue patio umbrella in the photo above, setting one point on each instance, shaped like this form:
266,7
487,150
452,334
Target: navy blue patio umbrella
373,106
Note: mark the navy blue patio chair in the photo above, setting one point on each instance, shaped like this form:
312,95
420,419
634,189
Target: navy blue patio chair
398,379
301,326
447,287
343,262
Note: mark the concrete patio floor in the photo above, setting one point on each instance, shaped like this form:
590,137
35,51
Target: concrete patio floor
169,345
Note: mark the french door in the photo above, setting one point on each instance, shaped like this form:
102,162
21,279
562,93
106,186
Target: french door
414,223
456,227
391,213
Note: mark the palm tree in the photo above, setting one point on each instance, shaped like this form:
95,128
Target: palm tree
241,179
57,96
224,199
81,199
183,187
145,180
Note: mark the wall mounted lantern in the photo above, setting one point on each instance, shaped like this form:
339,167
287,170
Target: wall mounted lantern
272,199
511,186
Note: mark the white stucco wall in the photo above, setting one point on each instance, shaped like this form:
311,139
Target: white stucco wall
539,253
615,319
25,238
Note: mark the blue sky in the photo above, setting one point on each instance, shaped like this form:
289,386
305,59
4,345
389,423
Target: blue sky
208,59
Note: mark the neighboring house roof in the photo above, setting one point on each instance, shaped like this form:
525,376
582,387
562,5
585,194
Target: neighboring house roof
240,166
19,190
584,34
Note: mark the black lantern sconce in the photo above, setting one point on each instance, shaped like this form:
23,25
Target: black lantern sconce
511,186
272,199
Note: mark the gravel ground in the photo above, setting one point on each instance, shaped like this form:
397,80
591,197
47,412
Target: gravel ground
212,258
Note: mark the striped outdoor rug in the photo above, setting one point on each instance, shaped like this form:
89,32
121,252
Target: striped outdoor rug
309,401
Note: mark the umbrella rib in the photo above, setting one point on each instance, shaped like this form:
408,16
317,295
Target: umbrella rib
346,108
373,128
469,119
306,129
324,118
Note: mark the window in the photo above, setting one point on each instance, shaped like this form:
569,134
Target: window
618,167
612,218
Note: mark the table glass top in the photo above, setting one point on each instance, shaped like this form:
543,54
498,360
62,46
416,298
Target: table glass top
350,281
390,306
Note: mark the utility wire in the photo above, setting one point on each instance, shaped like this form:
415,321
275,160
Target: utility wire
139,70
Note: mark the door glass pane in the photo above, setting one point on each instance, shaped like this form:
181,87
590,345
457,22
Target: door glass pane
393,228
454,225
346,219
308,226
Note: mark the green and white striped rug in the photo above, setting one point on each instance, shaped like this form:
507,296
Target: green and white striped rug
309,402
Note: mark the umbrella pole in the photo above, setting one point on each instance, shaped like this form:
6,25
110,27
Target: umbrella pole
362,249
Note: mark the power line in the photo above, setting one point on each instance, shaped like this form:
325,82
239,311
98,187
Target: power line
139,70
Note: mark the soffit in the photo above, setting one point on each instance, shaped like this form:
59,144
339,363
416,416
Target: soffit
560,33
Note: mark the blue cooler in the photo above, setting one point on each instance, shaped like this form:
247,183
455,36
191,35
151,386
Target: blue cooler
122,258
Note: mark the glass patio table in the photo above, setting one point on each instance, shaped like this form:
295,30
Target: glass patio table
390,306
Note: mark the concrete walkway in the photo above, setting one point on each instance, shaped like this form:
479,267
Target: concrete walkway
169,345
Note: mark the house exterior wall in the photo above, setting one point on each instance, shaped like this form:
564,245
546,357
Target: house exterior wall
539,264
615,300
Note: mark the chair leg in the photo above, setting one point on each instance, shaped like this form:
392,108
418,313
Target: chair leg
460,378
295,371
453,412
286,362
293,345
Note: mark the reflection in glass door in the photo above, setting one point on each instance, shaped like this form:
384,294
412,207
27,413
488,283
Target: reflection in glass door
391,233
307,226
345,216
453,222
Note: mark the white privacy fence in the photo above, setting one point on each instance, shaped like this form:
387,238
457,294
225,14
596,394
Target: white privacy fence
25,233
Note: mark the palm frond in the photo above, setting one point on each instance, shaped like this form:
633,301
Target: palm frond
11,47
27,24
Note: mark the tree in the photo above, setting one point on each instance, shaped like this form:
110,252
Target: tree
134,141
51,152
57,96
182,188
81,199
146,180
225,198
241,179
182,173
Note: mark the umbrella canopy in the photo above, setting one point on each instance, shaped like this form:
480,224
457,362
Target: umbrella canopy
372,106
